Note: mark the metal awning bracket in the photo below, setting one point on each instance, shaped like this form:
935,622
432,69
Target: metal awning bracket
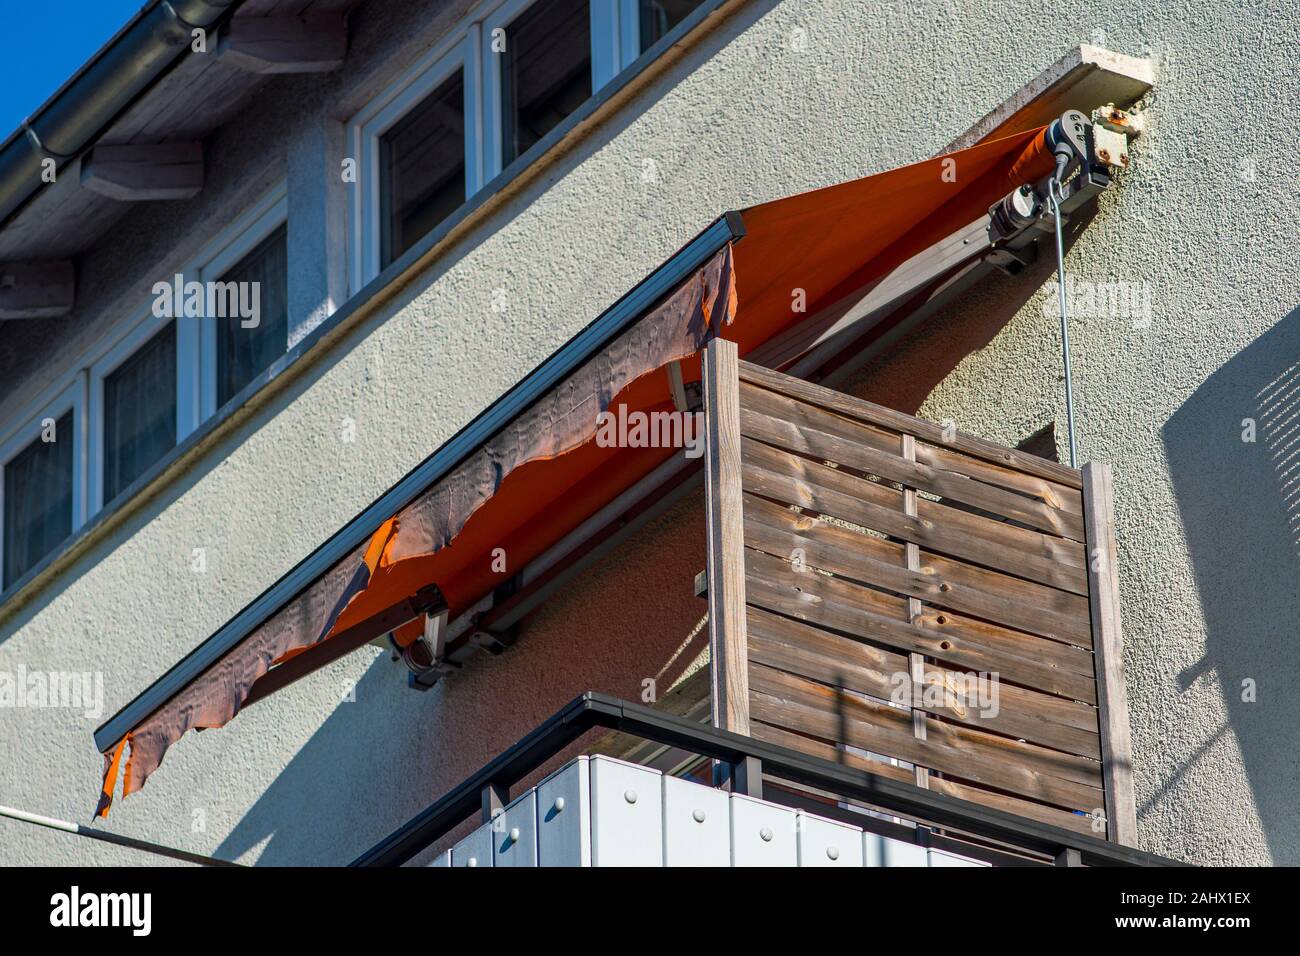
1085,153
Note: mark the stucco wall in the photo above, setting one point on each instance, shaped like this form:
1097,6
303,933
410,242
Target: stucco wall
1206,219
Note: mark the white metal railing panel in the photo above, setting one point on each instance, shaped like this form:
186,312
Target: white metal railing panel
514,833
828,843
598,811
626,814
697,824
475,849
762,834
564,816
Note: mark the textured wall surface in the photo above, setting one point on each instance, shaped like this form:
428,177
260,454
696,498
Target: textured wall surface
783,97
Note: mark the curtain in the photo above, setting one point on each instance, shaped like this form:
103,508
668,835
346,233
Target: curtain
244,353
139,412
422,169
38,500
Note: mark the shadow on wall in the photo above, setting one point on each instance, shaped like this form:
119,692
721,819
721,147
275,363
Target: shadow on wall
379,759
334,776
1240,505
906,373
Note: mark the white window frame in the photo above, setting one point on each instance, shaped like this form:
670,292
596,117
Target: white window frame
126,347
615,44
200,335
196,364
606,63
70,397
629,31
459,52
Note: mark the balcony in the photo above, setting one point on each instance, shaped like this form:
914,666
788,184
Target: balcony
914,650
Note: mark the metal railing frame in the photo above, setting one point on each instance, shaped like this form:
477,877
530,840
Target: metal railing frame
751,760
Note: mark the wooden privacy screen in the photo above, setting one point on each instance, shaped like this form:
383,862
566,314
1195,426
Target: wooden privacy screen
865,567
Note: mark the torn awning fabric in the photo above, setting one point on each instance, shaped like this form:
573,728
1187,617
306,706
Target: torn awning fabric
541,474
559,423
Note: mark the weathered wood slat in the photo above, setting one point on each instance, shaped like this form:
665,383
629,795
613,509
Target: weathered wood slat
1112,696
1049,492
915,661
795,426
828,602
792,480
838,649
726,539
777,530
874,414
792,702
1066,658
989,798
1068,666
842,662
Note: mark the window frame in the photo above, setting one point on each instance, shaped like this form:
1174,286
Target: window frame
458,52
127,345
234,242
615,45
196,365
71,397
605,56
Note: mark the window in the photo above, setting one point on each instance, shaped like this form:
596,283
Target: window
545,71
419,147
38,499
139,401
245,328
249,339
656,17
474,104
146,386
422,168
41,483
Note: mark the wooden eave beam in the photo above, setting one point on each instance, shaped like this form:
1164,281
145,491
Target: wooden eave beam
288,44
144,172
36,290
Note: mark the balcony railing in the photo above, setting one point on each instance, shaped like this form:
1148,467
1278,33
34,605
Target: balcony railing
944,823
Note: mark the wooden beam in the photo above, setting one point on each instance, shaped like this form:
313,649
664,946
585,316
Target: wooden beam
144,173
1085,78
915,661
1108,654
728,645
36,290
289,44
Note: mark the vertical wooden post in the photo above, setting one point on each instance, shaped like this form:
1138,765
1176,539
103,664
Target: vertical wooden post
1108,654
728,645
915,662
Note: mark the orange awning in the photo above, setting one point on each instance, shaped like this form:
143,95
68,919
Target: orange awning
543,474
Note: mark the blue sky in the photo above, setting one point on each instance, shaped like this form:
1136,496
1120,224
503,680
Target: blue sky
43,43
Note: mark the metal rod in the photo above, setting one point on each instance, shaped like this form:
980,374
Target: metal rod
1053,193
116,839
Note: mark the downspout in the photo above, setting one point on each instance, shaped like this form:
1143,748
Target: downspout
81,111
